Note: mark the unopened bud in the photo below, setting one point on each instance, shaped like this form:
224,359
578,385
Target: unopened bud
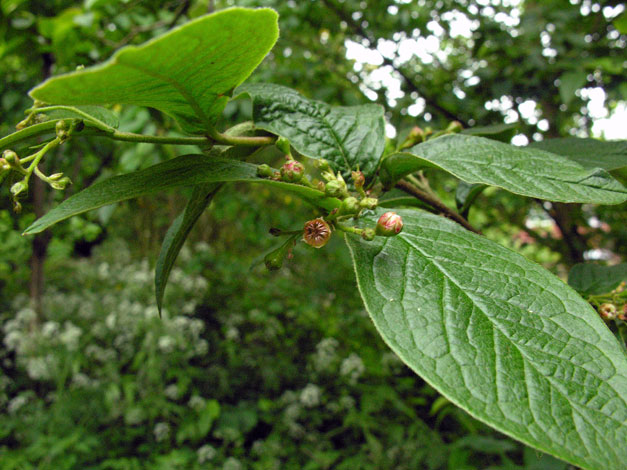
358,179
10,157
416,133
283,145
322,164
292,171
389,224
4,165
265,171
55,176
316,233
62,129
350,205
368,234
61,184
18,188
369,203
274,259
455,126
335,188
607,311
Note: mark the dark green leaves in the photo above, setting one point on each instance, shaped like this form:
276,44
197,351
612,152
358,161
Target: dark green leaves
188,170
188,73
589,153
594,279
348,137
529,172
499,336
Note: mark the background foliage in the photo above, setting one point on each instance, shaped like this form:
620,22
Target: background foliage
250,369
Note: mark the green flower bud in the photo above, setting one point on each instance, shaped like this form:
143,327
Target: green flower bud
368,234
18,188
274,259
265,171
283,145
323,164
4,165
55,176
358,179
62,129
389,224
335,188
316,233
369,203
61,184
292,171
607,311
10,157
350,205
455,126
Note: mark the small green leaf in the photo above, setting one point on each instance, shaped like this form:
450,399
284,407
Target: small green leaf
188,170
465,196
589,153
570,82
595,279
100,117
188,73
177,234
525,171
347,136
499,336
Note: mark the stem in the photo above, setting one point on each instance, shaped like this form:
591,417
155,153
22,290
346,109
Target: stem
436,203
39,155
347,228
241,140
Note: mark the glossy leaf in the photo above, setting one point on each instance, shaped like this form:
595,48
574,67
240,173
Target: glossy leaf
498,336
177,234
101,117
594,279
188,170
589,153
188,73
529,172
347,136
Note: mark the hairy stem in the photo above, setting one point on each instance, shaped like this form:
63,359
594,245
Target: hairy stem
436,203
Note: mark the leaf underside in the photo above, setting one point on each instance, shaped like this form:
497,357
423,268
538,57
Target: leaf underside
525,171
589,153
499,336
188,73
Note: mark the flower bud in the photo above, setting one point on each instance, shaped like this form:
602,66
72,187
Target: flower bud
350,205
18,188
322,164
316,233
4,165
62,129
274,259
358,179
292,171
335,188
607,311
283,145
369,203
61,183
389,224
265,171
368,234
455,126
10,157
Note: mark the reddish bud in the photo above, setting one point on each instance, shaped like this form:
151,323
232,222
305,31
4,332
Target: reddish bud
358,179
607,311
389,224
316,233
292,171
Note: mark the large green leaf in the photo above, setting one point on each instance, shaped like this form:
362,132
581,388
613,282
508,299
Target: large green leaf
188,73
589,153
188,170
499,336
529,172
594,279
177,234
347,136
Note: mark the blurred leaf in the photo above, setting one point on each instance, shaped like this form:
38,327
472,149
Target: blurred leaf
570,82
589,153
187,73
501,132
595,279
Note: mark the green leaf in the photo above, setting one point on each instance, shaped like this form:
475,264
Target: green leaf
25,135
501,132
188,170
347,136
177,234
498,336
595,279
529,172
465,196
589,153
101,117
188,73
570,82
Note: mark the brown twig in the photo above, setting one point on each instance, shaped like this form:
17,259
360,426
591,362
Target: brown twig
436,203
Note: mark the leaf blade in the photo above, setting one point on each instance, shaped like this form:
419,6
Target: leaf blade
528,172
346,136
589,153
187,73
554,378
187,170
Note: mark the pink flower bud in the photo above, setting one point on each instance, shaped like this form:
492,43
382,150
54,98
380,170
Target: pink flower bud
292,171
316,233
389,224
607,311
358,179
